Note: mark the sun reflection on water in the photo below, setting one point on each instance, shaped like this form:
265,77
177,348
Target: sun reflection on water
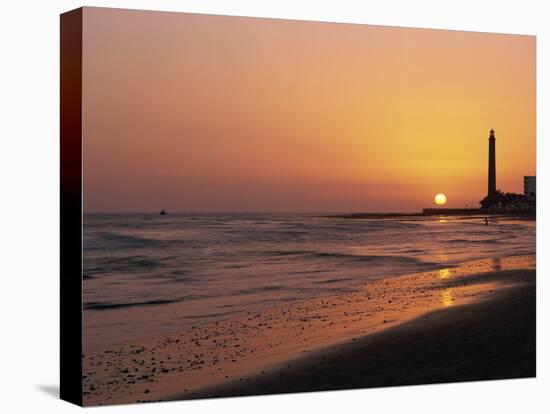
444,273
447,297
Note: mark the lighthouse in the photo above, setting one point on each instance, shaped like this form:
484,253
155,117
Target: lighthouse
492,176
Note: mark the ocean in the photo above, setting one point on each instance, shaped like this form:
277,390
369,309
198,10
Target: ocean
147,274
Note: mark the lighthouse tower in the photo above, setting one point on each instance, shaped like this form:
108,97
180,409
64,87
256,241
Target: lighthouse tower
492,184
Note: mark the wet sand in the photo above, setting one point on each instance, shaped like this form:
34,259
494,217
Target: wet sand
471,322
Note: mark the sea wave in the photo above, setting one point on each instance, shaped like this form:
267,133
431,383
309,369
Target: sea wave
107,305
372,258
127,264
152,302
249,261
487,241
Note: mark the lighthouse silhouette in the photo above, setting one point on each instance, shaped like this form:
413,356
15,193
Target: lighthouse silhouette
492,182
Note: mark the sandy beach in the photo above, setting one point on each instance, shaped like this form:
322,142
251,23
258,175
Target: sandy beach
470,322
488,340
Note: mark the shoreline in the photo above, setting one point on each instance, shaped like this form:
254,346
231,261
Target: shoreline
185,364
433,212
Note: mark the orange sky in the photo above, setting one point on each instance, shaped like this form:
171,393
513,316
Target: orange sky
198,113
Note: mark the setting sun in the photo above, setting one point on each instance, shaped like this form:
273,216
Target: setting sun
440,199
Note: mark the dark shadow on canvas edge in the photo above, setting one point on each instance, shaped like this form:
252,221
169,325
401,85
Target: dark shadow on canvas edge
51,390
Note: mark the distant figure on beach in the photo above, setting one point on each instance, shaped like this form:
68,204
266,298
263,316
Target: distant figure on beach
162,212
486,221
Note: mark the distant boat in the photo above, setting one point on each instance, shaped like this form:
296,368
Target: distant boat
163,212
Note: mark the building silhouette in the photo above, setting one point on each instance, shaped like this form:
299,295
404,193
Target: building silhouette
497,201
529,186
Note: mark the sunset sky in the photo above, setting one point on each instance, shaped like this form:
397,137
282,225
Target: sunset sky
197,113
